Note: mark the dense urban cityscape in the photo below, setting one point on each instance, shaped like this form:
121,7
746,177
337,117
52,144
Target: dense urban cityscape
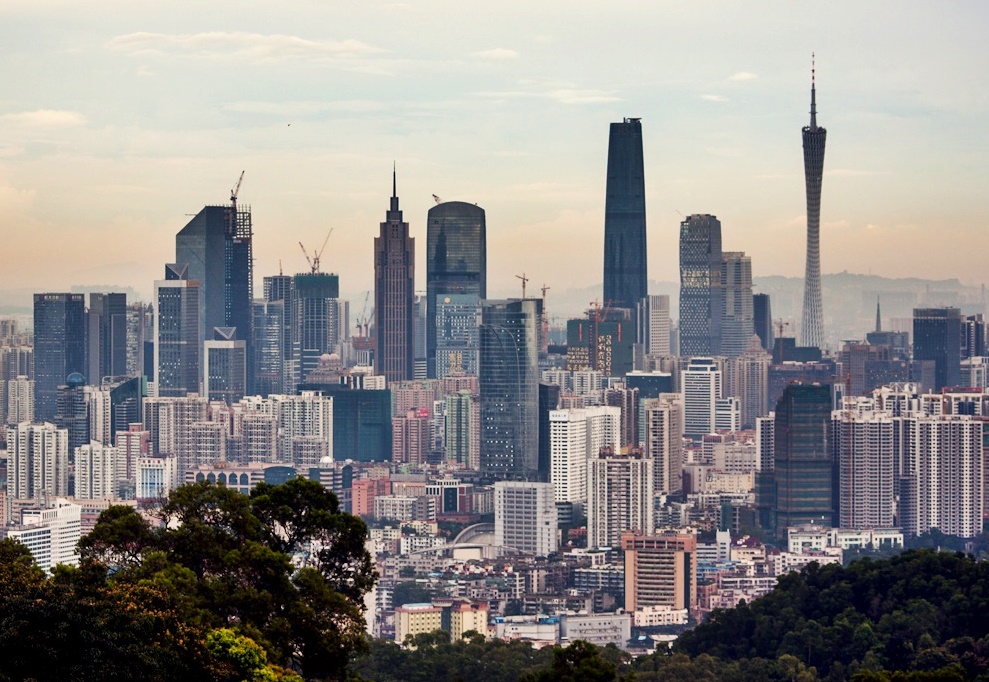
346,484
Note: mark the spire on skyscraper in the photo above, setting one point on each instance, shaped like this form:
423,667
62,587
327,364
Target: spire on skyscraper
879,319
813,94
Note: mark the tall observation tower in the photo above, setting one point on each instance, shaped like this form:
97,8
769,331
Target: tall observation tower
812,329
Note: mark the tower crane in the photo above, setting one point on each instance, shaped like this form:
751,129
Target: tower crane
236,190
314,261
524,281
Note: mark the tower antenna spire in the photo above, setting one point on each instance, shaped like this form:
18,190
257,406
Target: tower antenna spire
813,92
394,181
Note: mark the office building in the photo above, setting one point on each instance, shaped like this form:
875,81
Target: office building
748,378
270,361
620,487
177,335
59,346
973,336
37,461
456,264
456,334
509,388
937,338
225,366
654,324
281,288
107,330
701,386
738,323
625,267
803,464
762,320
525,517
660,570
217,247
321,321
604,342
701,288
361,421
72,410
156,478
394,293
814,138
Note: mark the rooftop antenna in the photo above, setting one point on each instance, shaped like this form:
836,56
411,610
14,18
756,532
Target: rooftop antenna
813,93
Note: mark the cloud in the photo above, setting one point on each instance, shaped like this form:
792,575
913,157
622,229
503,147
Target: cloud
303,108
45,118
242,45
496,53
714,98
562,95
743,76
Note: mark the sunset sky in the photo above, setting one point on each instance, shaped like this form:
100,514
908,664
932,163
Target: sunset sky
119,118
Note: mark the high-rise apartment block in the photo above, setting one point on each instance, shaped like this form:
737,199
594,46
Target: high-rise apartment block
625,267
660,570
456,269
701,386
394,294
575,439
662,422
620,488
37,461
51,534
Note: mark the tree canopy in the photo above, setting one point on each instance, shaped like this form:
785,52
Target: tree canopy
227,587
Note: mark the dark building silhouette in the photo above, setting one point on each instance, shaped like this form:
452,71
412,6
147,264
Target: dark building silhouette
625,272
72,410
605,341
107,346
269,348
456,263
973,337
394,295
361,421
217,246
549,400
318,324
509,388
937,338
178,344
281,288
803,466
814,138
701,288
762,318
59,346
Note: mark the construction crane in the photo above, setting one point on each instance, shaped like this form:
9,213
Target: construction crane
314,261
524,281
236,190
363,320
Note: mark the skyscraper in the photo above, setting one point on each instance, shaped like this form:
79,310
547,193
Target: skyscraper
107,336
177,338
456,266
620,490
812,328
701,289
217,246
394,294
738,325
59,346
625,276
803,463
509,383
762,319
937,338
320,321
224,366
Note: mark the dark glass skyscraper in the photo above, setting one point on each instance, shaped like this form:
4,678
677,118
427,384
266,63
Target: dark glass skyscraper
812,327
394,295
937,338
59,346
107,319
625,276
319,323
803,464
456,263
217,246
762,314
509,387
178,344
701,289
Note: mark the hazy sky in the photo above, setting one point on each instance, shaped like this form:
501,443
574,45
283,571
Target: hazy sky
117,119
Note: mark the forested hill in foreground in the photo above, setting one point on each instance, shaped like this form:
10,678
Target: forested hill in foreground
918,616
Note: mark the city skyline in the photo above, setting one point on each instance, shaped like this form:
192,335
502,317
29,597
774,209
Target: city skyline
155,115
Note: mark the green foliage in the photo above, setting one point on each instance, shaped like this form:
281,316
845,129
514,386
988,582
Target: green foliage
230,587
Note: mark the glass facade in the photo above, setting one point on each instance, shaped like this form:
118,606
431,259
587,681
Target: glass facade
394,294
59,346
456,263
509,385
456,333
937,337
803,464
701,289
625,276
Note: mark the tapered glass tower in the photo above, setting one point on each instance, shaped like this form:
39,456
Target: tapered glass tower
812,329
625,217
